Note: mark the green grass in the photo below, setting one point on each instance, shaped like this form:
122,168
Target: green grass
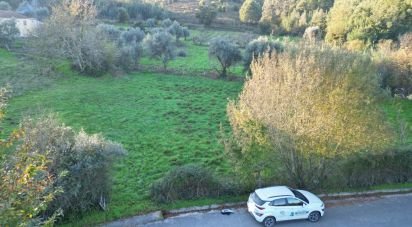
400,110
162,120
22,74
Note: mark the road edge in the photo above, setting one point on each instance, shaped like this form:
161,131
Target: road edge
161,215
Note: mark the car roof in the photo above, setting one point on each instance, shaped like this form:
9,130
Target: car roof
271,193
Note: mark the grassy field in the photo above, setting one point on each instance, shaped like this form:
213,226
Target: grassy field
197,62
162,120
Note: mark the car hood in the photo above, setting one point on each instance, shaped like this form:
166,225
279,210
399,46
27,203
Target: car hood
313,199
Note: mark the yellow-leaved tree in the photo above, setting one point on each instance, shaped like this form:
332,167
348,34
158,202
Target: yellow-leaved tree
302,107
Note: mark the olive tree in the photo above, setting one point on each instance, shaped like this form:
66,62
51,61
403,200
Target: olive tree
85,159
302,107
259,47
160,45
226,53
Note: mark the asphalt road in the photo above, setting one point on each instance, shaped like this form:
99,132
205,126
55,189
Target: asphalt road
391,211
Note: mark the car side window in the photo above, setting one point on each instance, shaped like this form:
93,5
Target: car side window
294,202
278,202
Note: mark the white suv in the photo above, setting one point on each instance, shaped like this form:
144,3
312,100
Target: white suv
280,203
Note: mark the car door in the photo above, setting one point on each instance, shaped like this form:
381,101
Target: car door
277,208
296,209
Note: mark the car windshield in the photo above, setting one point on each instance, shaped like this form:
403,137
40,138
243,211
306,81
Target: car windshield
257,200
299,195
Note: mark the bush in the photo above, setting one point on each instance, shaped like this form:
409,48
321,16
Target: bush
5,5
87,160
225,52
365,169
185,182
182,53
8,33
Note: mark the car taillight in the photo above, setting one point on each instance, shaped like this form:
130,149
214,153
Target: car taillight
260,208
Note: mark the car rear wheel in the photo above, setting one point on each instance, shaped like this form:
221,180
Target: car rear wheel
314,216
269,222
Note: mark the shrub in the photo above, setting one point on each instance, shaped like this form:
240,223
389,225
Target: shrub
225,52
206,15
5,5
122,15
405,41
8,33
182,53
185,182
160,45
87,160
365,169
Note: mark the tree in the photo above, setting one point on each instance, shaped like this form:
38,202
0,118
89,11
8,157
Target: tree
368,20
70,32
186,32
8,33
302,107
259,47
206,15
251,11
4,5
176,30
160,45
122,15
225,52
290,16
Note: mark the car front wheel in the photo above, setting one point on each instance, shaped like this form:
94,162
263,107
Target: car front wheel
269,222
314,216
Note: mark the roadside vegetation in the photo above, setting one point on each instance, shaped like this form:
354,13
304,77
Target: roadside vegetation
116,108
